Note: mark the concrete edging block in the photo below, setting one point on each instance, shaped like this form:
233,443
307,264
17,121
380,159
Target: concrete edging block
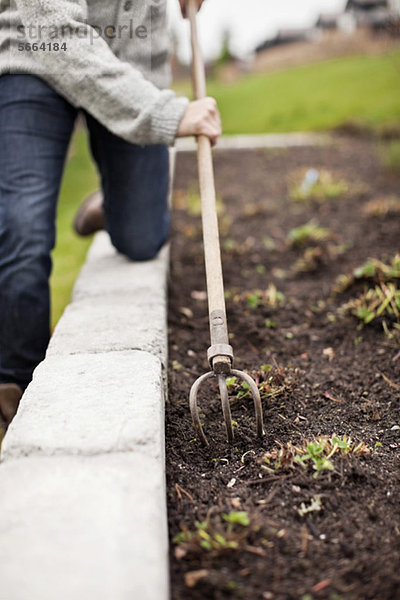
112,324
107,273
83,528
91,404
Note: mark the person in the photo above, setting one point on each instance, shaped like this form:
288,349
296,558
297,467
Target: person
107,59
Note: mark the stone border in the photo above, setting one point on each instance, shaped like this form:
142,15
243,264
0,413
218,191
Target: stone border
269,140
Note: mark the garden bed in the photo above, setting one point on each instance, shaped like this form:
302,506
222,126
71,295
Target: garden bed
312,510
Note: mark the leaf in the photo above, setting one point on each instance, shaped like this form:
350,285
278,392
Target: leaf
237,518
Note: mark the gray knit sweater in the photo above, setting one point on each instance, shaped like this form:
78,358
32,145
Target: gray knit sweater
109,57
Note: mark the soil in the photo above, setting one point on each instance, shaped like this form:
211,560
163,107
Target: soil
302,534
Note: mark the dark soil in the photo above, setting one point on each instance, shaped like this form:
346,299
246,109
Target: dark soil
329,376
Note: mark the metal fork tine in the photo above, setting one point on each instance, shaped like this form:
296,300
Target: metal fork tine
256,397
193,406
226,409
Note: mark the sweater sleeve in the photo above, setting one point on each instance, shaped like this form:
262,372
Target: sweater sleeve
89,75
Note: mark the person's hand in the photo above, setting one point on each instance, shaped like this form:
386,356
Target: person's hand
184,4
201,117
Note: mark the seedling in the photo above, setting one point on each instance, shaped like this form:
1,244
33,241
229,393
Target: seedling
315,454
322,186
373,270
237,518
378,270
271,296
227,532
321,247
272,382
310,232
202,537
379,301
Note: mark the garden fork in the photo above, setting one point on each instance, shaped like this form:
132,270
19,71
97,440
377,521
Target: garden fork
220,353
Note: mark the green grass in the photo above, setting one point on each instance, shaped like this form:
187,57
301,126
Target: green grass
315,97
80,178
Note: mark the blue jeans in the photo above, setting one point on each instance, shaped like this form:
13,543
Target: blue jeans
35,130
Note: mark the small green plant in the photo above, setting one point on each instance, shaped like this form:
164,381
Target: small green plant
315,455
321,247
206,539
307,185
379,301
254,299
271,296
372,270
237,518
310,232
377,269
230,382
272,382
224,533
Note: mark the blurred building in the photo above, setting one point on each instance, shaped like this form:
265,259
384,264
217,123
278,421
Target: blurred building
373,14
349,31
377,14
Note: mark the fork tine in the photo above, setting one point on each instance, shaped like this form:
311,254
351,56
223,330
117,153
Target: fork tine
256,397
226,409
193,406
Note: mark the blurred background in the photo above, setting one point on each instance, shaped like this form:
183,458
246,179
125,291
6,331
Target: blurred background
255,25
274,66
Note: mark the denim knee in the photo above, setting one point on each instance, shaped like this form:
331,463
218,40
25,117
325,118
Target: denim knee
138,249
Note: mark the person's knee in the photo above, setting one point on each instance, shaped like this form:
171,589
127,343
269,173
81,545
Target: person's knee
138,249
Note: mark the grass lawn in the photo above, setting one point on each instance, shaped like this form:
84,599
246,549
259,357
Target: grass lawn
314,97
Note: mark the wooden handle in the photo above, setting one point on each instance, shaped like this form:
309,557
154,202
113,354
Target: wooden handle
215,286
199,72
